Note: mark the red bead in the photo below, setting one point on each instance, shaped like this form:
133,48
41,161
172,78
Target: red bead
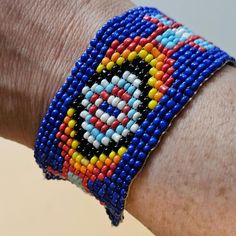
126,109
165,77
147,17
115,44
99,124
93,178
170,52
101,176
170,71
81,175
112,166
63,153
120,48
92,109
132,46
94,97
71,169
143,41
66,164
163,88
115,90
64,138
58,135
165,50
165,67
62,126
104,169
154,20
65,148
104,95
125,121
88,173
169,82
93,119
161,47
154,43
109,173
170,61
110,52
120,92
126,97
60,144
67,157
127,42
96,171
114,124
104,128
137,39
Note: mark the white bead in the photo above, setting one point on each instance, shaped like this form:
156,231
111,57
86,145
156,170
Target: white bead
99,113
104,117
110,99
83,114
84,125
96,144
86,135
121,116
105,141
136,82
131,78
93,87
85,89
98,102
115,101
136,104
121,104
85,102
91,139
110,120
134,128
136,93
115,79
126,74
125,132
104,83
136,116
116,137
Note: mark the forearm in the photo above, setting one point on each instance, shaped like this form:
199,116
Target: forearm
183,177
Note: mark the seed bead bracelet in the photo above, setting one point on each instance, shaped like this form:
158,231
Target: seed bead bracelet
136,75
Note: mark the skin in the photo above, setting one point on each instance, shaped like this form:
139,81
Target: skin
187,184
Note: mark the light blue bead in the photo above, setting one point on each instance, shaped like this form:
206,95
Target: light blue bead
129,124
170,44
131,113
126,87
131,101
88,117
109,87
131,90
109,133
119,129
164,41
99,137
89,127
88,95
121,83
95,132
99,88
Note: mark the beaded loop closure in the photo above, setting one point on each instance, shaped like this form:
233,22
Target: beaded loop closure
122,94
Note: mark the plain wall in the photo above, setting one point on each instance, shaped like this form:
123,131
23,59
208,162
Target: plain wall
30,205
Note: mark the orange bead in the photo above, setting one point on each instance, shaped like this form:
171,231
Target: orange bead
68,130
116,159
138,48
105,61
161,57
69,141
148,47
108,161
72,162
158,96
115,56
71,151
66,119
90,167
159,65
158,84
83,169
99,164
155,52
159,75
126,53
77,166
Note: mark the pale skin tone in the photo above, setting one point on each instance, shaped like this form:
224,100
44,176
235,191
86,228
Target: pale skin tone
187,186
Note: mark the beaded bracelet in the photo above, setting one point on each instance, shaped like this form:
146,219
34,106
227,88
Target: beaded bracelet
122,94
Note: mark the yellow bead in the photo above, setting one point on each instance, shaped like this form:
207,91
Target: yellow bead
110,65
71,123
112,154
152,92
153,62
102,157
152,81
84,161
143,53
79,158
152,104
120,61
152,71
93,160
72,133
74,155
132,55
122,150
70,112
149,57
100,68
75,144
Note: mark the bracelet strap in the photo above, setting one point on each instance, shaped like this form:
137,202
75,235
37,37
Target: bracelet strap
137,74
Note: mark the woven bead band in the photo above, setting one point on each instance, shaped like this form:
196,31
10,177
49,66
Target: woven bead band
136,75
